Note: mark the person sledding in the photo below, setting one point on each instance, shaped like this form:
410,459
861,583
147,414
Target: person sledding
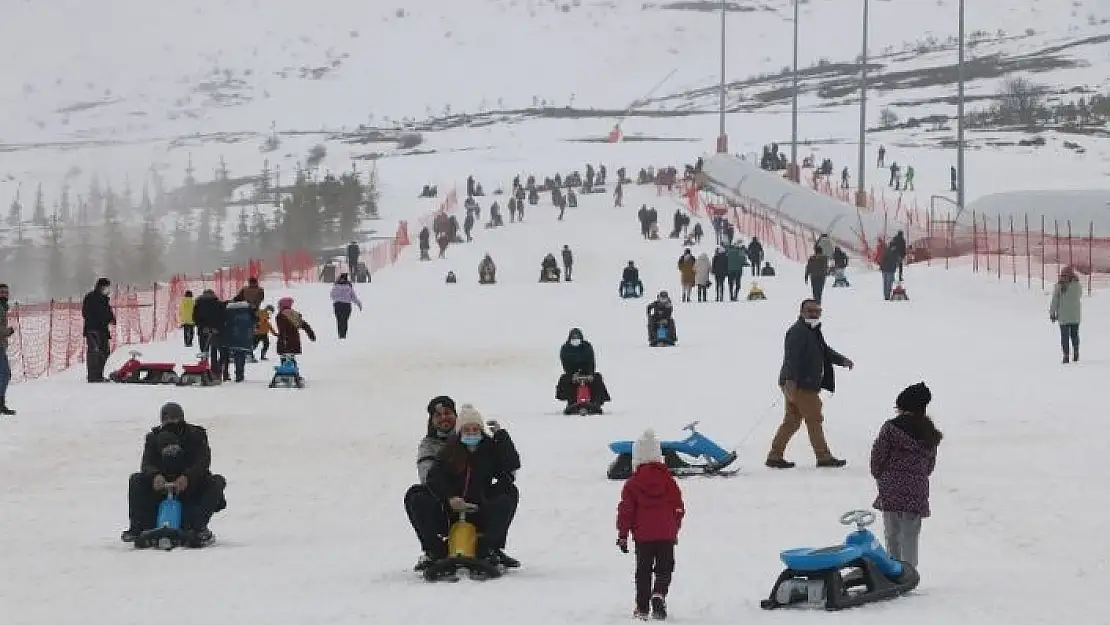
579,365
289,324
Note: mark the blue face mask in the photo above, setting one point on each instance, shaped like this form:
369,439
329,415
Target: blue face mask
470,440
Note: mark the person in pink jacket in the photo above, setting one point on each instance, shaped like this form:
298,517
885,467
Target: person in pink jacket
342,297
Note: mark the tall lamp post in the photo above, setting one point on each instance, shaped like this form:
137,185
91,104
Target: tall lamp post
794,172
861,192
722,137
960,119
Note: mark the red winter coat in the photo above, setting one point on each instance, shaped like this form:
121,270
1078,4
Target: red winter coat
651,505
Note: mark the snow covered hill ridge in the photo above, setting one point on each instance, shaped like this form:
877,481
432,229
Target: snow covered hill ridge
131,69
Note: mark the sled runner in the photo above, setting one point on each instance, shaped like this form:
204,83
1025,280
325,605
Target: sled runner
287,373
842,576
696,446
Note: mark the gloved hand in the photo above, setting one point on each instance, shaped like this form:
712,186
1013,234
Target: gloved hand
494,426
159,482
181,483
622,544
458,504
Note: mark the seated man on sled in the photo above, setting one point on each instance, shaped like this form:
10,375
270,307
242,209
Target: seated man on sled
660,315
581,386
487,271
630,285
549,269
494,462
175,454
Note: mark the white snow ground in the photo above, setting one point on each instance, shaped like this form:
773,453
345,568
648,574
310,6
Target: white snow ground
315,532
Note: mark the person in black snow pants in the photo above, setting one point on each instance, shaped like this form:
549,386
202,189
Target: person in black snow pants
755,255
352,258
342,296
209,315
96,311
719,267
817,269
568,261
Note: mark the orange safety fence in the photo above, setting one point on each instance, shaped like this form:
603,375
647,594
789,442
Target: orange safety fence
49,335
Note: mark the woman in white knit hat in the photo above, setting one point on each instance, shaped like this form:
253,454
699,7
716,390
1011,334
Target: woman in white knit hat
477,467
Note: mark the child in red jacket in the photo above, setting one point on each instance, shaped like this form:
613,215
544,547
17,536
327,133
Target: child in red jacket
651,509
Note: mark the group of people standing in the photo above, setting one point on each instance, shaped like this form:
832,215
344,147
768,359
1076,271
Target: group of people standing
725,267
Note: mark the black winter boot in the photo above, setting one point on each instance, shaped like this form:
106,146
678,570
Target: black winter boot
4,410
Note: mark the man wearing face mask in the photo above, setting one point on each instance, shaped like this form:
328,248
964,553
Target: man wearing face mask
807,367
577,357
96,311
175,453
5,365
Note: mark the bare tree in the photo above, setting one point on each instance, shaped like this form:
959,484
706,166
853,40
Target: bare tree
1020,101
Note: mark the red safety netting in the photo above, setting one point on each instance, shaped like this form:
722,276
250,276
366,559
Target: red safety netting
48,336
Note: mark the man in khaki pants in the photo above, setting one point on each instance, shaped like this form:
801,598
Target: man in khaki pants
807,367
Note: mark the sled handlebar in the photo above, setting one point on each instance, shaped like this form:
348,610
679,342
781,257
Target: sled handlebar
862,518
691,426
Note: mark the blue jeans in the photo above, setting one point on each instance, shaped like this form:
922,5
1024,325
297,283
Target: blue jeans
5,373
1069,333
888,283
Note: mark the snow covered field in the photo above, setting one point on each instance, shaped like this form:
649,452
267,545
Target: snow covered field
315,532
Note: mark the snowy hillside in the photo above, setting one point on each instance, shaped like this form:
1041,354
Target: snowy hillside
121,87
315,532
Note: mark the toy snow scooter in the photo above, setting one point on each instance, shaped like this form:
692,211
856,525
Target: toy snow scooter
842,576
135,371
840,279
662,335
167,532
756,294
462,552
583,403
199,374
286,373
898,293
696,445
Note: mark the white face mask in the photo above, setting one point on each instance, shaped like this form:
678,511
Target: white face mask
575,342
813,323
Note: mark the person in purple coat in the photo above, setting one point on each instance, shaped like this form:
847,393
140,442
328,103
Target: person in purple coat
342,296
902,459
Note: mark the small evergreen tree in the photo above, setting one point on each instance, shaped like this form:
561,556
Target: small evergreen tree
38,216
64,209
58,283
15,211
116,252
85,264
149,255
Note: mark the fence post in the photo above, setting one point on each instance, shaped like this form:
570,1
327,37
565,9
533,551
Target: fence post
999,245
1090,256
1028,258
974,243
1013,250
1071,250
1056,228
1043,250
50,339
22,347
154,317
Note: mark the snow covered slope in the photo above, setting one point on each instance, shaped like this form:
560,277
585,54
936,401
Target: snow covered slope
315,532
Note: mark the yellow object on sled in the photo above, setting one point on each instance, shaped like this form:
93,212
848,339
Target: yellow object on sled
462,539
756,293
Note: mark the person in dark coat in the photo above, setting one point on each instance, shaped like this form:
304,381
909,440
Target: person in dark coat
353,252
888,265
817,269
902,459
424,238
97,314
568,262
577,358
252,294
175,453
807,367
755,254
477,467
839,259
630,277
719,269
289,325
662,309
898,244
209,314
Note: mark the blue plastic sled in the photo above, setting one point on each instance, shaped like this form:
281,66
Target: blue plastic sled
629,290
167,532
286,373
696,446
842,576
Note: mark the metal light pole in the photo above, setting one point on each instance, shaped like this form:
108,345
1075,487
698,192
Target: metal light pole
861,193
960,119
794,107
722,137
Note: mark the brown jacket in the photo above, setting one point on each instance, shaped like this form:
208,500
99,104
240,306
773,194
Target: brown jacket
686,270
289,325
817,266
253,295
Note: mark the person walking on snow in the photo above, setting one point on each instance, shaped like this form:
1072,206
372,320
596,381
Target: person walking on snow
807,368
289,324
817,269
719,268
651,509
342,296
702,268
568,262
97,314
902,459
185,318
5,365
686,273
1065,309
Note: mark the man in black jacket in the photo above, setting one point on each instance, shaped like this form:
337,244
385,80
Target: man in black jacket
209,314
807,367
96,311
577,358
630,285
175,453
568,262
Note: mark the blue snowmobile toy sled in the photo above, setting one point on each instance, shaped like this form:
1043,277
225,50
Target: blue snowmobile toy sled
842,576
167,532
696,446
286,373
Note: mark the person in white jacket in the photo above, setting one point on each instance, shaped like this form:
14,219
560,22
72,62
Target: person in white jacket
702,267
342,296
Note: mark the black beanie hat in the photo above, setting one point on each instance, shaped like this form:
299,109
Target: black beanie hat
914,399
442,400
